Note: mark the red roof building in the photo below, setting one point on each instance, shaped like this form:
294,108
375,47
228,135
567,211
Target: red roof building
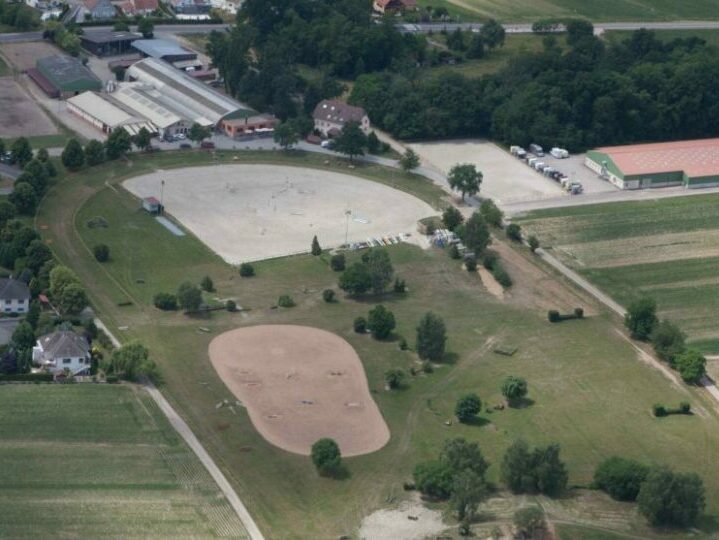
394,6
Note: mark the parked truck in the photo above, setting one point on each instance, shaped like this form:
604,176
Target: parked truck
559,153
536,150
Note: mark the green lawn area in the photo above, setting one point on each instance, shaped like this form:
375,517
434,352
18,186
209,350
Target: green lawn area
666,248
514,46
589,391
86,461
608,10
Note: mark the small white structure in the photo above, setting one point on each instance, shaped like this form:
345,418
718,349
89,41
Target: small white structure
14,296
62,350
331,115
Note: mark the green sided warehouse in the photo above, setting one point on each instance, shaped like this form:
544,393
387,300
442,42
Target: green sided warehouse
692,164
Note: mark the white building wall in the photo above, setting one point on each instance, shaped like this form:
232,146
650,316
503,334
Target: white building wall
14,306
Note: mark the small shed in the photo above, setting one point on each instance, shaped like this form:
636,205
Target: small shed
151,204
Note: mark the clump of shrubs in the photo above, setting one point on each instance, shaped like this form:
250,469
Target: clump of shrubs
400,286
165,301
286,301
514,232
337,262
328,295
207,285
101,252
360,325
231,306
490,261
470,263
247,270
660,410
454,252
533,242
554,316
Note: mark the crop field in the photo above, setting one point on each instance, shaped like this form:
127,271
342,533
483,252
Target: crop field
667,249
572,374
87,461
609,10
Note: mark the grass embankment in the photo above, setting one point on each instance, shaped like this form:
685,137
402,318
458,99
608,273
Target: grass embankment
589,391
667,249
86,461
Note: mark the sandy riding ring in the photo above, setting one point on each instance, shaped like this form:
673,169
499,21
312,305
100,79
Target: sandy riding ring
300,384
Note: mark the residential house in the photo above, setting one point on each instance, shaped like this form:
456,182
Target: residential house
100,10
138,7
14,296
62,350
394,6
331,115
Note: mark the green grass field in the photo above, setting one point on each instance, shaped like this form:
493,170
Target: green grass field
667,249
589,391
608,10
87,461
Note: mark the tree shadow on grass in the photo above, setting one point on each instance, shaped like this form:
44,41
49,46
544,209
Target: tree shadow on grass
477,421
337,473
450,358
521,403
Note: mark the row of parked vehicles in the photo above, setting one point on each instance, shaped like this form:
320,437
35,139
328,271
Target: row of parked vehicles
533,158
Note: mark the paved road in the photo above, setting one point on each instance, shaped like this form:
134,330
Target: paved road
189,437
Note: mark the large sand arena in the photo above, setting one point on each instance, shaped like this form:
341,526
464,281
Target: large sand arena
254,212
300,384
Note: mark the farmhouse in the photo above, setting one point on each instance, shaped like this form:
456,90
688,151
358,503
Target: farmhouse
62,350
693,164
393,6
108,43
63,76
105,115
14,296
331,115
247,122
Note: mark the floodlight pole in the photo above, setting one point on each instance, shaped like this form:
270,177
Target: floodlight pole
348,213
162,192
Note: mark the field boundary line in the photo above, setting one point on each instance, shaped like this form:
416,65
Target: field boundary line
707,383
192,441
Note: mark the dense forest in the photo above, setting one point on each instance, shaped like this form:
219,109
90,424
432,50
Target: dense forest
581,93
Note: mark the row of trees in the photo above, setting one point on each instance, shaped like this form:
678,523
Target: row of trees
664,497
18,15
584,95
667,339
74,157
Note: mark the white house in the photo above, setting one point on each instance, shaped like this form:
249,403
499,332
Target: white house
62,350
14,296
331,115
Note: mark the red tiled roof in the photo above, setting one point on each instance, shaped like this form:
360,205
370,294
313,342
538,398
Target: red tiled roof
695,158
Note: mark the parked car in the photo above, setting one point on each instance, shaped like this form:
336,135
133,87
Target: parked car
185,146
6,157
180,137
207,145
326,144
536,150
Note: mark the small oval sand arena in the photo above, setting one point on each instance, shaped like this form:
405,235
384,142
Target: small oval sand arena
300,384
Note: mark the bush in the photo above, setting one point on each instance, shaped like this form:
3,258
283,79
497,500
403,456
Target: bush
400,286
491,214
641,318
101,252
360,325
328,295
247,270
403,345
326,457
112,379
285,301
381,322
514,232
470,263
394,378
206,284
502,277
454,252
669,498
490,258
514,388
434,479
452,218
620,478
691,365
468,407
165,301
533,242
579,313
685,407
529,521
659,410
231,306
427,367
337,262
315,249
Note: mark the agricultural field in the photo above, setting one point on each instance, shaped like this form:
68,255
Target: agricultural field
614,10
86,461
664,248
574,369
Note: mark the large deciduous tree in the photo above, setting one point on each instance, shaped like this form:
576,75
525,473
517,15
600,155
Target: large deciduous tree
351,141
73,156
641,318
465,178
431,337
669,498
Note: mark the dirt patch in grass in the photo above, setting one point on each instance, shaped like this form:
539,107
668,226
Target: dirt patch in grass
20,116
300,384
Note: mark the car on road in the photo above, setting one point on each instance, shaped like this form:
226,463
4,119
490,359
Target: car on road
207,145
185,146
